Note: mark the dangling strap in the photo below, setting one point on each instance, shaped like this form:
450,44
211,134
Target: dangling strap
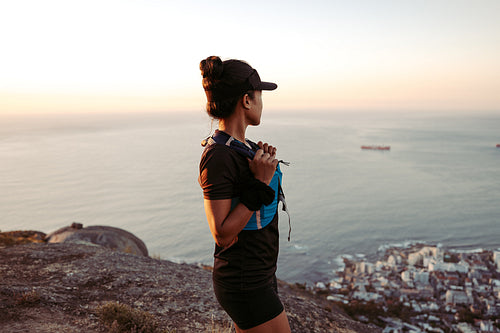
281,197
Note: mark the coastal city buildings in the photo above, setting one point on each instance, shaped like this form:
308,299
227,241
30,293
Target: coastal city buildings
421,288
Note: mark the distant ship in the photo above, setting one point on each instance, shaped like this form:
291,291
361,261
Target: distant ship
376,147
498,145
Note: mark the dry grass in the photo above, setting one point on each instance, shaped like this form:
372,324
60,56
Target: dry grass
29,298
121,318
11,238
155,256
218,328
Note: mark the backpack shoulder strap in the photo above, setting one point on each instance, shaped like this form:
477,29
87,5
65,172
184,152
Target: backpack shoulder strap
246,149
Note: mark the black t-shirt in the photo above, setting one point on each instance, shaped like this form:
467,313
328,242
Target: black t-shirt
251,262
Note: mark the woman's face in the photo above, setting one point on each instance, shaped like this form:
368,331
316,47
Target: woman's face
255,110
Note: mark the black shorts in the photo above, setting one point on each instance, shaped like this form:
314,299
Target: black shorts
250,308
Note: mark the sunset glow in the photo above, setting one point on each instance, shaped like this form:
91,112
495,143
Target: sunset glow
109,55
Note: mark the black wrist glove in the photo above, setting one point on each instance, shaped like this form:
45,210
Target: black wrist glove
255,193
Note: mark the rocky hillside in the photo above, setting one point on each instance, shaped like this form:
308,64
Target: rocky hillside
59,287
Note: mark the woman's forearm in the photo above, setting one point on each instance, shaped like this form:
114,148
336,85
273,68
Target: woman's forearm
234,223
225,224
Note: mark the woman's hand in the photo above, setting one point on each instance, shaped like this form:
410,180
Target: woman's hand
264,163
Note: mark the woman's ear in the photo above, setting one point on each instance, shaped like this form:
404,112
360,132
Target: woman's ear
246,101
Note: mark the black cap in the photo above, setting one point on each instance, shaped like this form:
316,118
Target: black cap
246,79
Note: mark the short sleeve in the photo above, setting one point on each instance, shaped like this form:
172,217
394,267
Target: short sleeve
218,172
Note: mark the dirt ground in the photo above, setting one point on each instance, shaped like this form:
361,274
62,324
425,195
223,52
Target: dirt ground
58,287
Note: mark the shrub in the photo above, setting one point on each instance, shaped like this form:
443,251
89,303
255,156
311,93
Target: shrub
29,298
121,318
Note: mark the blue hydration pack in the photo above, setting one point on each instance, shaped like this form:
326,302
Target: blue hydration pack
265,215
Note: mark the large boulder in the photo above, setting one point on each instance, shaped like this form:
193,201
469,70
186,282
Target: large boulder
110,237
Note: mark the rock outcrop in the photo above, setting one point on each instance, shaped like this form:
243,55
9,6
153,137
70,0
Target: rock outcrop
110,237
58,287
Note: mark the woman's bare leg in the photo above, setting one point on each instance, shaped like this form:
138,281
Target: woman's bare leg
278,324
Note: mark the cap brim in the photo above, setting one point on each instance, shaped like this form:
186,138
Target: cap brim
267,86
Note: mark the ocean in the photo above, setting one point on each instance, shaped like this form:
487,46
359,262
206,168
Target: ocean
439,183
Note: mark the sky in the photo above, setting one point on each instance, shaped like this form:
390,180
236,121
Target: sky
143,55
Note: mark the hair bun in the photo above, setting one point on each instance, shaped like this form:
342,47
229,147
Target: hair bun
211,68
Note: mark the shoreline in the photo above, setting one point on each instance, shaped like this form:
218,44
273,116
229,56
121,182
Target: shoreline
422,287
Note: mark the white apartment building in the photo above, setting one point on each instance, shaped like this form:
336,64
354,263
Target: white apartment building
456,297
496,259
461,267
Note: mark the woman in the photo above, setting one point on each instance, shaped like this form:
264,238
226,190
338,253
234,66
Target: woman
241,184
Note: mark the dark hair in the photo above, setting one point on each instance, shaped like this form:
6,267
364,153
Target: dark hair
212,70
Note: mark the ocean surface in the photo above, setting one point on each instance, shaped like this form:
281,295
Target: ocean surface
439,183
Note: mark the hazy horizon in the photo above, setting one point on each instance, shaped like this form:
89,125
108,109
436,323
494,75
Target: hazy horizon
201,115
